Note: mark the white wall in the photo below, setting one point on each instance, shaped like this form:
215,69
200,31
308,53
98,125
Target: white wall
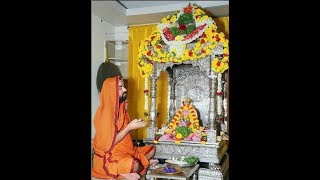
122,34
98,29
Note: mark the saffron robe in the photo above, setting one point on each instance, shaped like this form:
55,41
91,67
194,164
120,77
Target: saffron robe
112,159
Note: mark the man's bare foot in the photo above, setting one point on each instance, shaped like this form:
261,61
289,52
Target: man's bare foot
131,176
153,162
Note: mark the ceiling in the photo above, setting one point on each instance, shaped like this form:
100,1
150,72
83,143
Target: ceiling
125,13
139,4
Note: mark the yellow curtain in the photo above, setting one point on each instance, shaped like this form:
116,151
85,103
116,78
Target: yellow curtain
136,82
223,25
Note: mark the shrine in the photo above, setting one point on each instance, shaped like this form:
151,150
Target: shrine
189,47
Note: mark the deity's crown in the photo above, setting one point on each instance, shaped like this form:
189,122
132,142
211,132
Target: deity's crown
186,100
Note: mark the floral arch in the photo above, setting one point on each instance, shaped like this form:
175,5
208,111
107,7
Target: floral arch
169,43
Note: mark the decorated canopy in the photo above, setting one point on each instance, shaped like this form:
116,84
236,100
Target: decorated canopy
186,35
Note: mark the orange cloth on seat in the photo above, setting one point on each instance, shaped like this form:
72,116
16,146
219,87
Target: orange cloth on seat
112,159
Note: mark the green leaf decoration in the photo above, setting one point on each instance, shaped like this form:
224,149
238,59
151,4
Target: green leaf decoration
175,31
185,18
191,159
185,131
191,28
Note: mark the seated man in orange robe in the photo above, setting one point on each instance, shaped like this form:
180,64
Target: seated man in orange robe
115,156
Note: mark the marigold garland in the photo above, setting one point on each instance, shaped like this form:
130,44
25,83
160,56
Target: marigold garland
205,38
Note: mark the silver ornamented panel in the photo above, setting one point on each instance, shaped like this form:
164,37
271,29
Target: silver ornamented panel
205,173
218,50
151,131
224,127
193,83
211,135
206,153
204,65
212,105
209,178
172,106
153,92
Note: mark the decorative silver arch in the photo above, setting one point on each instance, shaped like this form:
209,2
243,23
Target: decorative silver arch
205,70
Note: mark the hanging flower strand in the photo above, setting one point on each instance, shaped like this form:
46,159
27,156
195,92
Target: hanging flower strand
146,96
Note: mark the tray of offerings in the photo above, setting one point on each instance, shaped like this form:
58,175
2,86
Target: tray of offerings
169,170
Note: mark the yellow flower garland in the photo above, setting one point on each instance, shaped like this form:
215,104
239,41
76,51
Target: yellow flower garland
151,50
